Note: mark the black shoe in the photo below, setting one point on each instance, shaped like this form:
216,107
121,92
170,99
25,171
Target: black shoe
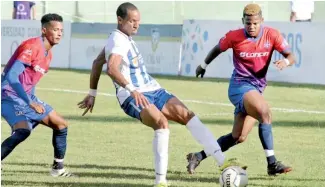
278,168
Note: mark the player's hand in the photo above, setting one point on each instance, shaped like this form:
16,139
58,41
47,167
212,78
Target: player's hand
140,99
280,64
200,71
37,107
87,103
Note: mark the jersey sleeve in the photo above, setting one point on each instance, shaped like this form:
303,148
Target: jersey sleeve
280,44
116,45
26,54
225,42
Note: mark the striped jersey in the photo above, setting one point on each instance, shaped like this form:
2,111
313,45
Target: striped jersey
132,67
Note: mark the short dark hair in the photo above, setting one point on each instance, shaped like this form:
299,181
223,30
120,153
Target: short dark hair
122,10
252,10
51,17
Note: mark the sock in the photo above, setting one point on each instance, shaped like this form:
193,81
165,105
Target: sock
160,149
201,155
59,141
226,142
204,136
18,136
266,137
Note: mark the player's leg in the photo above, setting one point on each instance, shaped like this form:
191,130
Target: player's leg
59,142
59,138
20,127
152,117
256,106
176,111
242,126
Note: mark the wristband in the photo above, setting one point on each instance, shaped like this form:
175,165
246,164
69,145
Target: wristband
92,92
204,65
130,87
287,61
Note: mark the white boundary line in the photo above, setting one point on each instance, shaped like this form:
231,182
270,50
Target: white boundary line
285,110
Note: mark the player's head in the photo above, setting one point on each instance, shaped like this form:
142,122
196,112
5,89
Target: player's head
128,18
52,28
252,19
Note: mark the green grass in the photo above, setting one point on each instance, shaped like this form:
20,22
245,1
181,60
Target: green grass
108,148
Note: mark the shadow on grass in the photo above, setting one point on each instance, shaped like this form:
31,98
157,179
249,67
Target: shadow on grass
208,121
223,80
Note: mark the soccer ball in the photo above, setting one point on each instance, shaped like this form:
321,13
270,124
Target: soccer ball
233,176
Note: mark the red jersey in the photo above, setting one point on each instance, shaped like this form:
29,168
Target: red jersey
252,56
33,55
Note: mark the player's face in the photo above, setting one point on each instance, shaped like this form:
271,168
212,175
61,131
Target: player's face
252,25
130,24
53,32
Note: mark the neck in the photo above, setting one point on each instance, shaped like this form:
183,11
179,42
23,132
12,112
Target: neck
119,28
47,44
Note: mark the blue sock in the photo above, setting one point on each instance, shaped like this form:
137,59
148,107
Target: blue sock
59,141
10,143
266,137
226,142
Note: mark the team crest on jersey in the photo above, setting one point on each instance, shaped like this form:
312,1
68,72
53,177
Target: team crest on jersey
267,45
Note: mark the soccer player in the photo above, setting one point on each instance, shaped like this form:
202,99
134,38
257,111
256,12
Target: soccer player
19,105
252,47
141,96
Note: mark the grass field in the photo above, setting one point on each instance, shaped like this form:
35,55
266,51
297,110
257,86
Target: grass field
108,148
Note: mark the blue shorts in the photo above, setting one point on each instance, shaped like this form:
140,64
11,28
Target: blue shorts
158,97
236,92
14,110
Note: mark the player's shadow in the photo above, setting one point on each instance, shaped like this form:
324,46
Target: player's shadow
286,179
5,182
206,120
106,119
109,173
224,80
280,123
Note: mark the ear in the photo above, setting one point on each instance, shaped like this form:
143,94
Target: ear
262,20
119,20
43,30
242,19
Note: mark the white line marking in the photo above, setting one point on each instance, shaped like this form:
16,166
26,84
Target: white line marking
285,110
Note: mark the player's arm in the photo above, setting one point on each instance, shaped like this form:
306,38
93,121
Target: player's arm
222,46
282,46
96,71
113,71
12,77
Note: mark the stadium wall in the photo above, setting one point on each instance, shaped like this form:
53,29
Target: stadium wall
173,49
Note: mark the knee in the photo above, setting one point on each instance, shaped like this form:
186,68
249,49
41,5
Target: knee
21,134
265,114
62,125
187,117
162,123
241,138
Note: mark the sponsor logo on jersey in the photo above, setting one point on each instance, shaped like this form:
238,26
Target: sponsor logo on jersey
39,69
253,55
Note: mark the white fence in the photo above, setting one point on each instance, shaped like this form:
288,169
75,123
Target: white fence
176,57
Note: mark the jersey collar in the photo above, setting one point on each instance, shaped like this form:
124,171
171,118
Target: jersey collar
257,38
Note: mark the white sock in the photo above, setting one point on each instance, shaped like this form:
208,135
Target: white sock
204,136
160,149
268,152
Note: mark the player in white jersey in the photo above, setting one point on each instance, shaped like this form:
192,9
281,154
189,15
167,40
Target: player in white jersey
141,97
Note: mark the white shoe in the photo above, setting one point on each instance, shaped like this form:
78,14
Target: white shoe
61,173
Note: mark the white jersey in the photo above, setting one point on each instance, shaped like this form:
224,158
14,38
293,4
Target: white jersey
132,66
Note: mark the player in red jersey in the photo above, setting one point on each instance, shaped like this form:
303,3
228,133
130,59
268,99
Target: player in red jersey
252,47
19,105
